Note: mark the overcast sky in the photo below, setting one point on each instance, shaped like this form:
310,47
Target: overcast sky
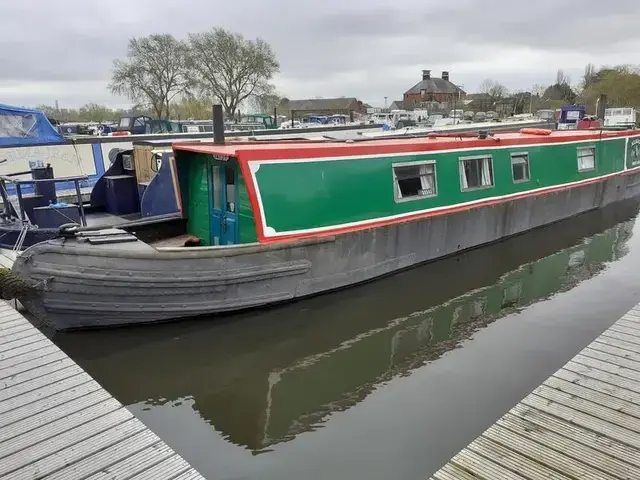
368,49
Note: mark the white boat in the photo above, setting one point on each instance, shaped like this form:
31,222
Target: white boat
446,125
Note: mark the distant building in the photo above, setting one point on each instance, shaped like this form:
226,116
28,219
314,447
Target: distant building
323,106
397,105
429,90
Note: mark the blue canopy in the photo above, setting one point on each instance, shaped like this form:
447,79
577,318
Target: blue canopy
24,126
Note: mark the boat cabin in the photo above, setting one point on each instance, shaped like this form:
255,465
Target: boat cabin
276,191
570,116
620,117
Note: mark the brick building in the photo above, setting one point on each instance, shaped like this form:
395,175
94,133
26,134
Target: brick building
323,106
432,90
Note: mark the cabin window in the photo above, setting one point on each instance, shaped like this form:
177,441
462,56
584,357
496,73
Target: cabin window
476,172
414,180
586,159
230,176
520,167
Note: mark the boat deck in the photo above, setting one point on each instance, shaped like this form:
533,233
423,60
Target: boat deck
583,422
56,422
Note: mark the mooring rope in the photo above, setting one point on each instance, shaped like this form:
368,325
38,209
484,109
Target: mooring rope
13,286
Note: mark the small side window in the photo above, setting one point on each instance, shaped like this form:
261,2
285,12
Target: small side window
586,159
414,180
476,172
520,167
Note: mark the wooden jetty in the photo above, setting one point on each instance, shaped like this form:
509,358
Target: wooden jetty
56,422
583,422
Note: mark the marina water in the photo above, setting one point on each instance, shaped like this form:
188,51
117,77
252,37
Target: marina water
384,380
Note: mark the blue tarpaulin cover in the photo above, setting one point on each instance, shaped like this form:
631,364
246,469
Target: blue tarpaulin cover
24,126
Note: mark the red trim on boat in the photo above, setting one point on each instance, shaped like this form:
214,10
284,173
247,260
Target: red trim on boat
290,150
253,199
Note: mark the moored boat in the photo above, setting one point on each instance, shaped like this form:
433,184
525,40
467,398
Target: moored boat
279,221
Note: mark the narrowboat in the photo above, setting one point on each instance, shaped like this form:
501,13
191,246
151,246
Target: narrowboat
263,223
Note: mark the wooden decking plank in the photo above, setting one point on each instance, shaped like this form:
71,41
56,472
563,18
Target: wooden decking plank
16,352
629,436
90,419
626,328
583,422
633,338
20,343
13,327
514,461
576,458
634,315
541,423
39,378
136,463
63,400
191,475
38,359
620,340
543,454
42,349
585,406
15,335
56,422
595,391
606,363
168,469
52,456
628,323
453,472
602,376
44,392
108,457
612,355
8,313
482,467
15,428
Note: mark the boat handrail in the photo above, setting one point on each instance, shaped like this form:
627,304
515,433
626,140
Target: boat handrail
18,183
7,178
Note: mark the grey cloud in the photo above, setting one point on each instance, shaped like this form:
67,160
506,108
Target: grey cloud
334,44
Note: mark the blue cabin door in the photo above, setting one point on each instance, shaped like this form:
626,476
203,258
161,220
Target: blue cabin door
224,205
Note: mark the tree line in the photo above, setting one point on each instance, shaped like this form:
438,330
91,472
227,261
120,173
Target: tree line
620,84
181,109
180,79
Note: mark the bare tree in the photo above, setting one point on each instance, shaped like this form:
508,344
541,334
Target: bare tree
561,78
590,76
155,71
538,90
265,99
230,67
493,91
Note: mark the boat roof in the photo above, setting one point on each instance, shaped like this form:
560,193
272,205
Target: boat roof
260,150
26,126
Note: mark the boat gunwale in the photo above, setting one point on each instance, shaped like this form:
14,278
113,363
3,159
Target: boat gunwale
169,253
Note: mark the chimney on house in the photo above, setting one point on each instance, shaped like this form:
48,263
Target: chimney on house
426,74
445,76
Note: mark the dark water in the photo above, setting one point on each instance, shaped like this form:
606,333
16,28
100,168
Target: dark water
368,382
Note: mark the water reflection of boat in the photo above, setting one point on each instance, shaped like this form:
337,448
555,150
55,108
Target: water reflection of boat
275,373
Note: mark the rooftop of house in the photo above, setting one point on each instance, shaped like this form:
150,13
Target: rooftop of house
342,103
430,84
398,103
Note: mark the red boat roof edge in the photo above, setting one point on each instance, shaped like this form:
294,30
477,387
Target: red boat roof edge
260,150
